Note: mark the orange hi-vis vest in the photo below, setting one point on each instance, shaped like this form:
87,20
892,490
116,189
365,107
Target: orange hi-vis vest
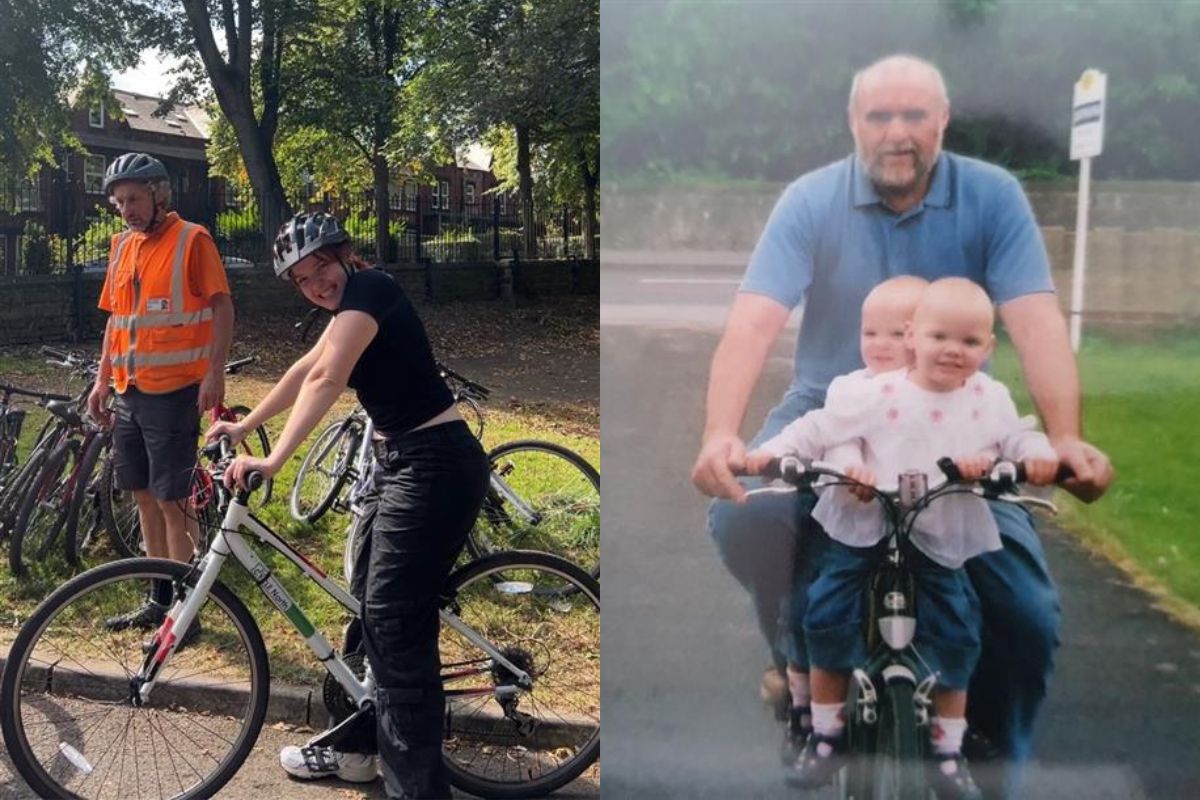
161,333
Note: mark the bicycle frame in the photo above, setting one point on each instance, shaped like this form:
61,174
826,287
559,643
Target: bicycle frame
231,541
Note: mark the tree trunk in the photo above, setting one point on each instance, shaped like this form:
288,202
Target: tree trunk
525,178
383,242
591,181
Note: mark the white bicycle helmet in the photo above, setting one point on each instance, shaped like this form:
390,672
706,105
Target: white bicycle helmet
303,235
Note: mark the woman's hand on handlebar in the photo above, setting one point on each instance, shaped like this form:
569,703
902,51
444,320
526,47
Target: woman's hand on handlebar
236,432
240,467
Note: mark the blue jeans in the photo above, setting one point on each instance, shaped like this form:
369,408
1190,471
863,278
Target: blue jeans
1018,599
947,612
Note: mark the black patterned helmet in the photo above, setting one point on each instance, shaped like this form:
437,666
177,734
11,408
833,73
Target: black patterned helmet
134,167
303,235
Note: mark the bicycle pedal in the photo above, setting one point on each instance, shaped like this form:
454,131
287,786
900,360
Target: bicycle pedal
355,734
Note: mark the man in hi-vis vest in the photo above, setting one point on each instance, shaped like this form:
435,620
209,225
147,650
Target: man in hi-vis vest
169,327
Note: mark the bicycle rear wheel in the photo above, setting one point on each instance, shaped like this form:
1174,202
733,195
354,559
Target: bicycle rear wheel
542,496
501,739
900,759
119,513
325,470
66,697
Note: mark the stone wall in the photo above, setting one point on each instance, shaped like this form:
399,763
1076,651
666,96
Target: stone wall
1143,247
40,309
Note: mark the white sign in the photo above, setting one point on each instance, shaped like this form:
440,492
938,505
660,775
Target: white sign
1087,115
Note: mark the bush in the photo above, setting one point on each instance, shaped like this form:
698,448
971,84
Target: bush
37,254
454,244
362,232
93,244
239,231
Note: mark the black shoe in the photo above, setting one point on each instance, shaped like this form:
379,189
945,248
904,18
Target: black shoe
148,617
812,770
795,731
978,747
958,785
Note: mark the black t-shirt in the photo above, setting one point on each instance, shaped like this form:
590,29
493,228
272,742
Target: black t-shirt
395,378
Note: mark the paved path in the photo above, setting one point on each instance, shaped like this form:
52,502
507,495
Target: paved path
682,656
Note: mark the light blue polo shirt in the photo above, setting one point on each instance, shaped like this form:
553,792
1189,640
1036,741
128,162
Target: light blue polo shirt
830,240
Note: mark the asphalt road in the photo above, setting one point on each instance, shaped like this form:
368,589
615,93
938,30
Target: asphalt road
682,655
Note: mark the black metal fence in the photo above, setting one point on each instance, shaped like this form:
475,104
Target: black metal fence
41,234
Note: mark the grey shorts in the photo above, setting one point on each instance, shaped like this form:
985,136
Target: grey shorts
155,441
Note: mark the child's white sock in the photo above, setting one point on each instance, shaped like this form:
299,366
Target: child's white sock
829,722
947,735
798,686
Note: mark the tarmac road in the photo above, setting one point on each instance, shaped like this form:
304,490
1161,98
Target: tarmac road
682,655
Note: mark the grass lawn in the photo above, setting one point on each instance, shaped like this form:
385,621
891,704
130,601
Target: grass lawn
1141,405
321,543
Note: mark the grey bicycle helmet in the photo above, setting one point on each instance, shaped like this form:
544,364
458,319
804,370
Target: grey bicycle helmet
303,235
134,167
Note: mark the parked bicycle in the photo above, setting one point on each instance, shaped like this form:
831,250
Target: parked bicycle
119,509
88,712
542,496
891,695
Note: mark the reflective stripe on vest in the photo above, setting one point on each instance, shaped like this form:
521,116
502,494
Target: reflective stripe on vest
160,319
163,359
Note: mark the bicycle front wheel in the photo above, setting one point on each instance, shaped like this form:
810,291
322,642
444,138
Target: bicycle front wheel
506,738
71,719
542,496
900,762
43,515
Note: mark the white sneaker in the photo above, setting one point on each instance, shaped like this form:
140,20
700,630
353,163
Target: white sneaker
309,763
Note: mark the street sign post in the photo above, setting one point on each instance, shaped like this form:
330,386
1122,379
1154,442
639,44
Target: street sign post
1087,141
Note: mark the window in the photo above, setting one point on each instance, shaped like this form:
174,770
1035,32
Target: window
93,173
410,195
96,116
395,198
469,194
28,196
503,202
444,190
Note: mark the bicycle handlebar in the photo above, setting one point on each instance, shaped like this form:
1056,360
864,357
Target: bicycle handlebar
233,367
477,389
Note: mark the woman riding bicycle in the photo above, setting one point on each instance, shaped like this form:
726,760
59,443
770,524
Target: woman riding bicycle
431,478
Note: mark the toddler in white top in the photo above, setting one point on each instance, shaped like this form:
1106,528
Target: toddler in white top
880,426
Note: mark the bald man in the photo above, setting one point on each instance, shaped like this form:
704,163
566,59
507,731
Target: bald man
898,205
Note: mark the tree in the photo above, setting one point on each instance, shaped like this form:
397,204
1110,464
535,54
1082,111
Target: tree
255,37
348,75
50,49
533,67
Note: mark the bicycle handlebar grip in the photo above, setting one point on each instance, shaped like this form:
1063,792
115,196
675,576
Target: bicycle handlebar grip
949,468
234,366
1065,473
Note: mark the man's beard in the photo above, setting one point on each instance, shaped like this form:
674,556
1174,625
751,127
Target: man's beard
886,187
